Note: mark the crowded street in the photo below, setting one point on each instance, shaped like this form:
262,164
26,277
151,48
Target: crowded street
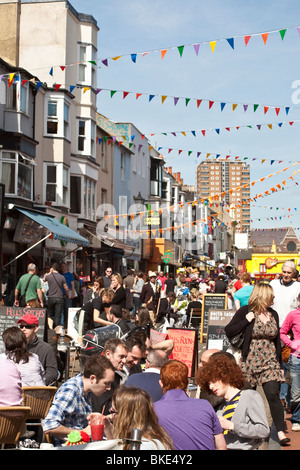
149,228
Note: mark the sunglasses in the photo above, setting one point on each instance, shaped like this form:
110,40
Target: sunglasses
28,327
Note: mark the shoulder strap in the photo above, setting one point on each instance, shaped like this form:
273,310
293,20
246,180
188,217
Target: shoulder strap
56,281
28,283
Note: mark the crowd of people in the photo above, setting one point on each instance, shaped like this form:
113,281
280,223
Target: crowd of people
135,382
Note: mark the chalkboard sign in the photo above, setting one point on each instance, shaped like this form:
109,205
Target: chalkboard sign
211,301
216,337
9,316
185,347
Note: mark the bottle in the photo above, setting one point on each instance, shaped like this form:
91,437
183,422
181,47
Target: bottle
62,337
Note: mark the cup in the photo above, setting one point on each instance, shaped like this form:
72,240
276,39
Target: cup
97,426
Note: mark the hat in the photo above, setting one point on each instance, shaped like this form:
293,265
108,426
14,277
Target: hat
29,319
152,274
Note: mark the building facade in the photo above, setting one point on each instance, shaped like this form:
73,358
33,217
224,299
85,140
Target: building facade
228,183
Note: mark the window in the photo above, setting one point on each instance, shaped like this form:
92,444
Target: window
93,141
75,194
52,120
87,67
82,66
57,117
17,96
17,174
66,120
89,202
81,136
122,166
51,186
57,184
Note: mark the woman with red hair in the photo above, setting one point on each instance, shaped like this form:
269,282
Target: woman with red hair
191,422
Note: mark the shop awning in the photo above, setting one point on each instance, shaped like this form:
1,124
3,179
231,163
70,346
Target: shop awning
59,231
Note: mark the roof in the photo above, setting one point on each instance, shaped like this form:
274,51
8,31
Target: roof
267,237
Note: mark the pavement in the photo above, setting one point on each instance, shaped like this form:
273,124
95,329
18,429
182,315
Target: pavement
293,435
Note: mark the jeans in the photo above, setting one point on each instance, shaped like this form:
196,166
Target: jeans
67,303
294,365
55,305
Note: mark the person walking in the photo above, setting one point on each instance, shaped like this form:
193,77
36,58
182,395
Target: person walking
261,349
290,336
29,285
56,283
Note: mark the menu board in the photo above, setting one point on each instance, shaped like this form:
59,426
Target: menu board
211,301
185,347
9,316
216,337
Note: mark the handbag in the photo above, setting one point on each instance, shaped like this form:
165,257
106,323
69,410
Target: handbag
237,341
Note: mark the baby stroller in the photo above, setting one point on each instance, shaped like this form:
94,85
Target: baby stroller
94,341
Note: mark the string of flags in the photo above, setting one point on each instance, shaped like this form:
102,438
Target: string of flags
215,197
196,47
222,103
15,77
203,132
215,156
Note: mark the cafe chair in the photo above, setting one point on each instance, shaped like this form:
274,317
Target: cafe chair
195,313
12,421
39,399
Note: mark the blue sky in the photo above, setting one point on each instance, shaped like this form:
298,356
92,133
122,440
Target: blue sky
260,73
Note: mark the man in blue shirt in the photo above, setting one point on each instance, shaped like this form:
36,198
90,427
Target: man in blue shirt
72,403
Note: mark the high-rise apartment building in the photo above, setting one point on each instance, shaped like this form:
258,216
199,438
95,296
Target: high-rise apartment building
228,183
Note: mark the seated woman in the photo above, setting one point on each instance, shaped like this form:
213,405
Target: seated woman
30,368
242,415
93,313
133,409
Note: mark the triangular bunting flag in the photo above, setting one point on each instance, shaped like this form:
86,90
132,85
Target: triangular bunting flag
265,37
133,58
282,33
231,42
213,45
247,39
112,92
196,47
163,53
125,93
163,98
180,50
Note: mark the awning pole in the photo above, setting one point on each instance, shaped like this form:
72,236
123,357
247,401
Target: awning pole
28,249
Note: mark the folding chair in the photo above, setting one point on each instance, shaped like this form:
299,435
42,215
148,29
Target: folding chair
195,313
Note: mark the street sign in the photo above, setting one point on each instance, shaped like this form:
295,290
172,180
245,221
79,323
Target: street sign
167,256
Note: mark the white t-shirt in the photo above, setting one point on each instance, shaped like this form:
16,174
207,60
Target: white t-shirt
285,298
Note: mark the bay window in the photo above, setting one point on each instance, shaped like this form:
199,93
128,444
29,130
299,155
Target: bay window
17,174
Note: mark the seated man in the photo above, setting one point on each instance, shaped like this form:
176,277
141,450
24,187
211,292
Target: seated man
115,315
116,351
72,403
149,380
29,324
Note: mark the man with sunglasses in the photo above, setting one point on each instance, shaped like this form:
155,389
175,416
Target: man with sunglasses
107,277
29,324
